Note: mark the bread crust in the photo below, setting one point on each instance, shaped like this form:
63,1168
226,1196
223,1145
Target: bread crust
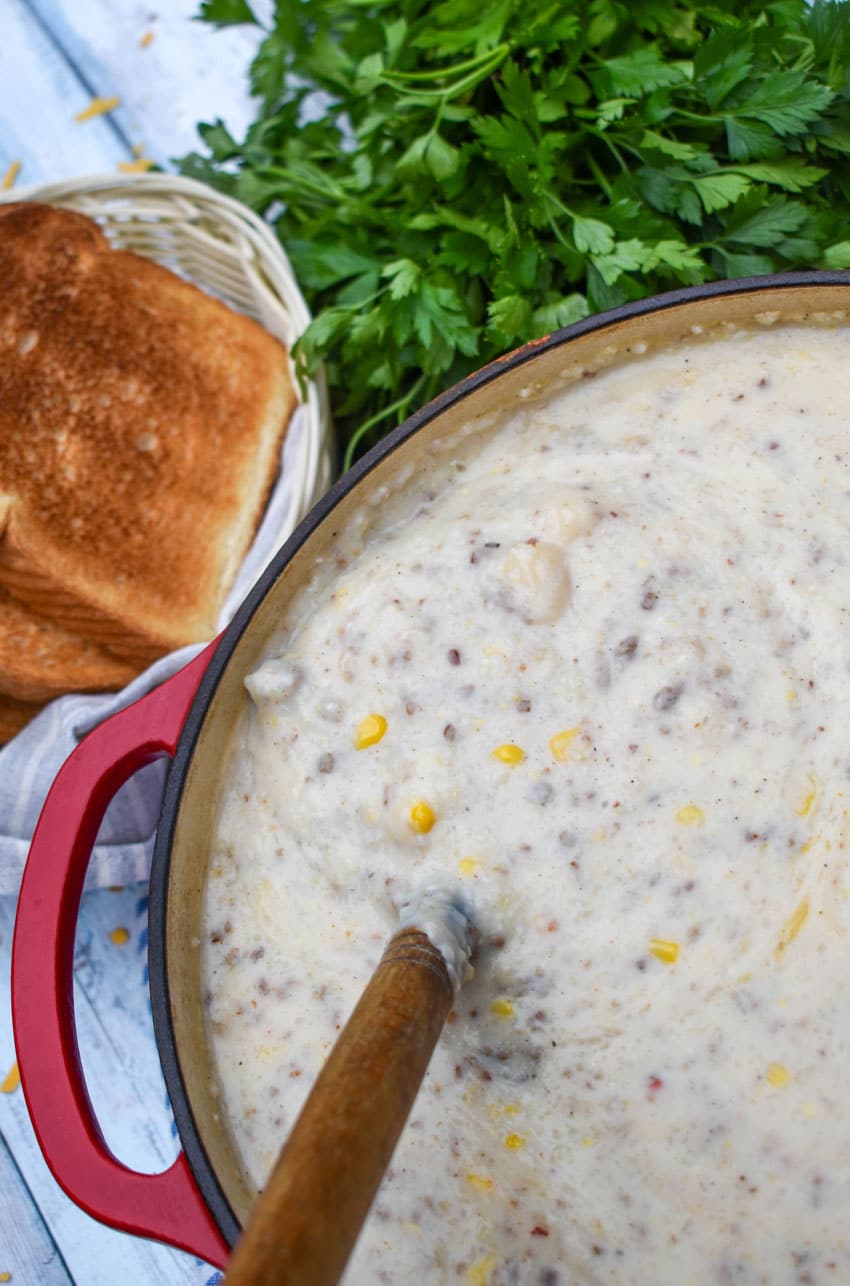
40,660
14,715
140,429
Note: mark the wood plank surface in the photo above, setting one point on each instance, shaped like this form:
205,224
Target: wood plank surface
127,1091
39,94
28,1253
168,72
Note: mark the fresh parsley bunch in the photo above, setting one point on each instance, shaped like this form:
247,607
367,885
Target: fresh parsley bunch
453,177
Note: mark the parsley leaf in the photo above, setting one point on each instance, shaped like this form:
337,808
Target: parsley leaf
762,222
453,178
837,256
716,191
592,236
785,101
226,13
638,73
791,173
722,63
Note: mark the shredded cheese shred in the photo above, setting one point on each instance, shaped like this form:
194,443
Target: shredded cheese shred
139,166
792,927
8,180
97,107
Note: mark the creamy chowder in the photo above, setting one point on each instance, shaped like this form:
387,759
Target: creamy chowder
592,668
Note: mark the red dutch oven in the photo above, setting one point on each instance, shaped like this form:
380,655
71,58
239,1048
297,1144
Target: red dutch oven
200,1203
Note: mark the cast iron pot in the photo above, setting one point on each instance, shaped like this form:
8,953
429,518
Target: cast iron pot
201,1201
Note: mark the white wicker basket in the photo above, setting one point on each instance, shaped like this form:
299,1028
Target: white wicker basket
226,249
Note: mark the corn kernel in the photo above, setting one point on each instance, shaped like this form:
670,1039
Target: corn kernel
778,1075
502,1008
11,1081
792,927
805,806
481,1271
589,1142
370,731
509,754
511,1109
467,866
120,936
666,952
515,1142
480,1181
690,815
422,817
561,742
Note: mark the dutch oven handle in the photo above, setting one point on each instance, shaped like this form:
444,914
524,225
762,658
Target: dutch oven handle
167,1206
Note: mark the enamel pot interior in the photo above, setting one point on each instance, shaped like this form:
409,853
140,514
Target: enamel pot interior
189,809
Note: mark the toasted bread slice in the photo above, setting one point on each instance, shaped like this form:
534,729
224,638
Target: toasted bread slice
140,431
14,715
40,660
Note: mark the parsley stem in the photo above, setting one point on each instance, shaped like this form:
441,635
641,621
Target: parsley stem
550,196
448,92
301,183
598,175
604,137
440,72
438,119
401,404
695,116
558,235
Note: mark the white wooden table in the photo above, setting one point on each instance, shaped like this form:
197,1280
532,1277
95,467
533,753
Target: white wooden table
169,72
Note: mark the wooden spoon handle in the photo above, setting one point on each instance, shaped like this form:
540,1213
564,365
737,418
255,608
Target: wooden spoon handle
305,1223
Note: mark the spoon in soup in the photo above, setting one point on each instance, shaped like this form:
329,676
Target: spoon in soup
308,1217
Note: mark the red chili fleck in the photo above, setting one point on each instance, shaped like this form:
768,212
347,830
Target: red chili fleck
539,1231
654,1084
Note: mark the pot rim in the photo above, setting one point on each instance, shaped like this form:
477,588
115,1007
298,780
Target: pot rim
189,1133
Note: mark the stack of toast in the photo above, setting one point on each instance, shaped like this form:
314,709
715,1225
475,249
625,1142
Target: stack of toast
141,423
